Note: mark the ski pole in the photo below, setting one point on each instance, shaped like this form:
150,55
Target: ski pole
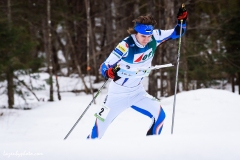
176,82
86,109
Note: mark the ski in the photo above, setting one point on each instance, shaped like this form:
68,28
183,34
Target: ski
140,72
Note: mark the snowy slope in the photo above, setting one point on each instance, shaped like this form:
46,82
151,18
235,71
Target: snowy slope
206,127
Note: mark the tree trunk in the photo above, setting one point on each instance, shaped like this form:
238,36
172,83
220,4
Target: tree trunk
171,52
49,51
161,48
162,73
92,45
153,78
9,13
9,74
87,5
10,89
151,7
238,80
136,12
233,83
185,66
65,53
58,88
56,68
109,24
76,62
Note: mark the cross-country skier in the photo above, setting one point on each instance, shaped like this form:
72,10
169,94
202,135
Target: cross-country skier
137,50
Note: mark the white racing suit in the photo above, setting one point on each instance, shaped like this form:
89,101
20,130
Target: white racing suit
129,92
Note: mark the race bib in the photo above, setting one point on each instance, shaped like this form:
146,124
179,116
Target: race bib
102,113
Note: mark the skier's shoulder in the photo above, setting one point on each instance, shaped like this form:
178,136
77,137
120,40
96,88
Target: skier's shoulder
122,47
160,34
157,33
129,41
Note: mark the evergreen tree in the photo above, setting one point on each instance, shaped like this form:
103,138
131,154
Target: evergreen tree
15,55
231,56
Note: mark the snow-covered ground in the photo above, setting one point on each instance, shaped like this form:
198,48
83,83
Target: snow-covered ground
207,127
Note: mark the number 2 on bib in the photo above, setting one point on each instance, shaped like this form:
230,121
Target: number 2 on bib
102,113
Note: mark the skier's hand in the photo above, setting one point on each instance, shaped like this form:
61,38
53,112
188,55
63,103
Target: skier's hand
112,73
182,13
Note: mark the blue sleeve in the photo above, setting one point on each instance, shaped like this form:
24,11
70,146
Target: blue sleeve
114,57
176,32
162,36
103,69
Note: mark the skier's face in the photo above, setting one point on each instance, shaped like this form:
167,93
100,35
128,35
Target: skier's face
143,39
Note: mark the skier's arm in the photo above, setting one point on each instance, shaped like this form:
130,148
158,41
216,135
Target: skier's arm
162,36
165,35
106,67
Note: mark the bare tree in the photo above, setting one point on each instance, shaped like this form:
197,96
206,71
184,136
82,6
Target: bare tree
89,28
9,73
185,65
49,50
170,51
76,63
153,78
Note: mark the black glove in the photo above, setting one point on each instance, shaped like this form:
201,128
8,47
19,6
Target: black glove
182,13
112,73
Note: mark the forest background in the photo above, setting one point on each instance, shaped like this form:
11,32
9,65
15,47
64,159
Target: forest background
73,37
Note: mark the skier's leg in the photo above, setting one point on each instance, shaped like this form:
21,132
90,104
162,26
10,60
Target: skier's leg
116,105
151,108
157,126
